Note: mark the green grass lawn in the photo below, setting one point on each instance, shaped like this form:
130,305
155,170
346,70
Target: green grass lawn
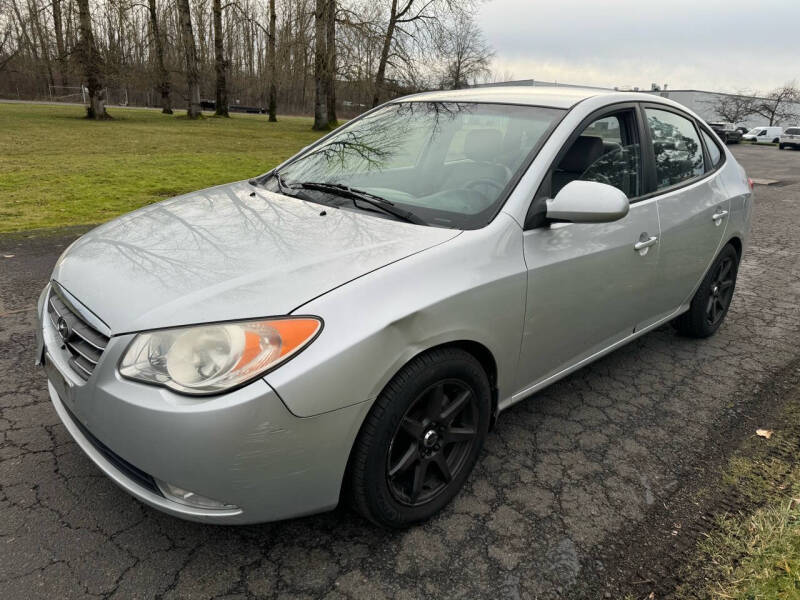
57,168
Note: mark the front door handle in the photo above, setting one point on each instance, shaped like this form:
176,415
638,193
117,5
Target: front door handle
717,216
642,244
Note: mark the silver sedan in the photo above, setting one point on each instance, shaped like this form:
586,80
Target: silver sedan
351,323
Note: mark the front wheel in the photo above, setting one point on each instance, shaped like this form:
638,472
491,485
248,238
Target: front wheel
713,298
421,439
781,146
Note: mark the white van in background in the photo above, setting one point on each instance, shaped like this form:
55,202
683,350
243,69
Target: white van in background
764,135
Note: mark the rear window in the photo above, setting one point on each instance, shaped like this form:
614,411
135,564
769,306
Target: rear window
714,153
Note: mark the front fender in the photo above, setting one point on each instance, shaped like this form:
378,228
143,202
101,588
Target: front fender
469,289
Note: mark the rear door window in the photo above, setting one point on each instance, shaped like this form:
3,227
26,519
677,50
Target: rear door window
714,152
676,147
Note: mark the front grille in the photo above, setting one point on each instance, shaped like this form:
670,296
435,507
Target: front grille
83,342
132,472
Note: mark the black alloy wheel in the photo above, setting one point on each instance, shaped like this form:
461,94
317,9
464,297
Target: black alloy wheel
432,442
721,291
421,438
713,298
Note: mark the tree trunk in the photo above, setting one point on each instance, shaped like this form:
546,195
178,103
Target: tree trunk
219,62
387,44
271,64
34,16
62,54
90,58
190,55
320,64
331,68
24,33
163,74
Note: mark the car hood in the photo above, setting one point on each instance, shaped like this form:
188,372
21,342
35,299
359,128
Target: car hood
229,252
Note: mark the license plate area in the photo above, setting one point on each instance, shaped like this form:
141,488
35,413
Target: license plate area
58,381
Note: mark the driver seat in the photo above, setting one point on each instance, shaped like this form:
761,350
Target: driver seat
482,147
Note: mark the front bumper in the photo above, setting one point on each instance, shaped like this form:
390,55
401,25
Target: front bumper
244,448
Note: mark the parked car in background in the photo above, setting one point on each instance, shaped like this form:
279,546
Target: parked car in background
742,129
350,324
790,138
764,135
727,132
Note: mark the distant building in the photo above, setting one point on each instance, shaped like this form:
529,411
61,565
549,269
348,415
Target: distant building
700,101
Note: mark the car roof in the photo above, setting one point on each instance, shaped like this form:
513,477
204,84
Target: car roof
555,97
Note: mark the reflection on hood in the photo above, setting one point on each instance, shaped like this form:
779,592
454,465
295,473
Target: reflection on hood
229,252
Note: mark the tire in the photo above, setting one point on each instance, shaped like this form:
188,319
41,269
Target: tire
776,140
781,146
712,300
405,435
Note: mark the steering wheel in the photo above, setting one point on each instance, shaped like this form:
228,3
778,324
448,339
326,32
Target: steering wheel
475,184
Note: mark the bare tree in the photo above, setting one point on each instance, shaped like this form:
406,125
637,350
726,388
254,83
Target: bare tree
394,16
781,104
271,65
411,23
320,66
161,69
466,54
733,108
6,54
370,50
219,62
190,56
58,28
330,40
91,61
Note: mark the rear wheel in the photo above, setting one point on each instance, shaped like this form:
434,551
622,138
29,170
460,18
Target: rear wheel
776,140
421,439
713,298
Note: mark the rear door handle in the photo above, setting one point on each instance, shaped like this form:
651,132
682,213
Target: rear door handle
641,245
719,214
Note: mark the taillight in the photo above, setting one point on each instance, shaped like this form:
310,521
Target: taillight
750,183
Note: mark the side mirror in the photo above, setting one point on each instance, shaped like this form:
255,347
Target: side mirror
588,202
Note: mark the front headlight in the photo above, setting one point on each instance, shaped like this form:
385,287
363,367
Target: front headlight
207,359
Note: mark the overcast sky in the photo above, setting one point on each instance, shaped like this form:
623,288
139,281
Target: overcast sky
721,45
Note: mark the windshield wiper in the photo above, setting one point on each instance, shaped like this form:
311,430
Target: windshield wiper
283,187
357,195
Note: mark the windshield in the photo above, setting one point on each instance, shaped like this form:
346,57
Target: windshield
754,131
449,164
793,131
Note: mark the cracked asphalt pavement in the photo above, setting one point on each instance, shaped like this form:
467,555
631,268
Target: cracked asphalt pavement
559,505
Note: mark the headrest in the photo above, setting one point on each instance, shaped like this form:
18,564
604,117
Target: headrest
583,152
483,145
